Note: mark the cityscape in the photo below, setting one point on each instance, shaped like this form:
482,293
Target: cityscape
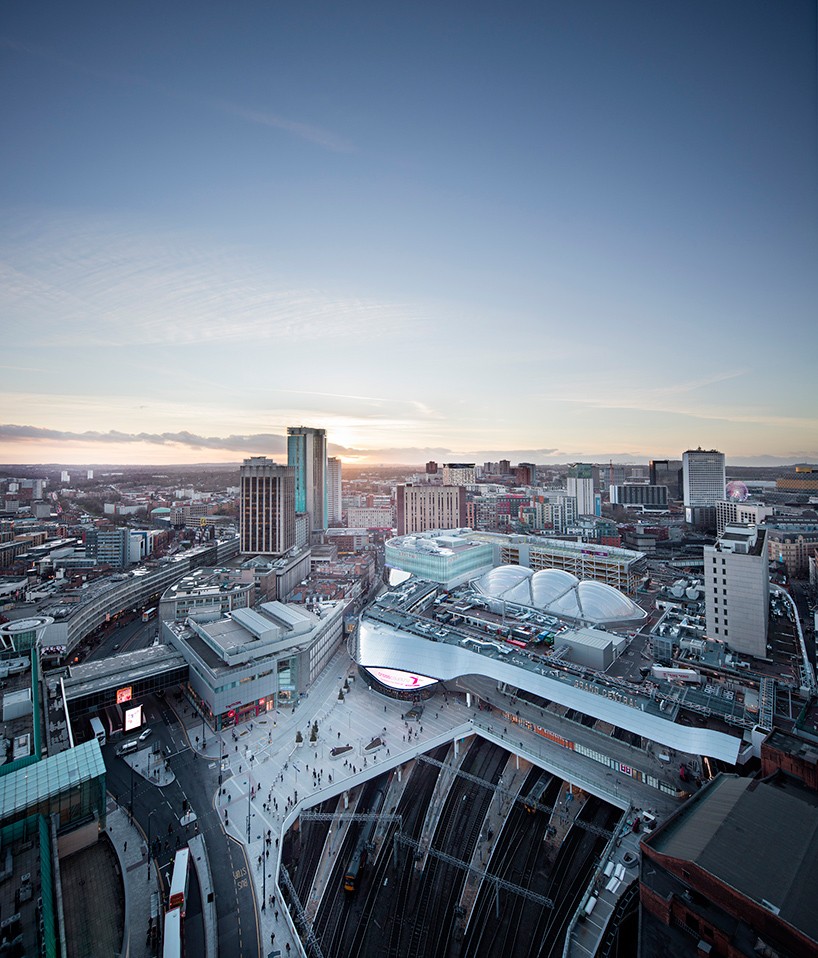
468,709
409,480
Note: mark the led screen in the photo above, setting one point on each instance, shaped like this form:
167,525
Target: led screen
133,718
396,679
124,695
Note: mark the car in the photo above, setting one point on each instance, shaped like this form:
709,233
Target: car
145,734
116,648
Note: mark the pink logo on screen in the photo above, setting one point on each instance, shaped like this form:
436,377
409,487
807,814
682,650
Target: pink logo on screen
397,679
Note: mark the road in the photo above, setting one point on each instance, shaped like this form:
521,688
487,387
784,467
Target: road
158,812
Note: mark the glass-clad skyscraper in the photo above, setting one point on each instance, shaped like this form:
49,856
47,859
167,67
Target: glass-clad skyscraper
307,456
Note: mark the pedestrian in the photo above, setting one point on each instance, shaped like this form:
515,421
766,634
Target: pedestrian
125,848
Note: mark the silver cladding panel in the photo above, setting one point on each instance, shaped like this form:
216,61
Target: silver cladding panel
381,645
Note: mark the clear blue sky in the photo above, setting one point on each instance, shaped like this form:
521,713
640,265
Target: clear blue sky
546,231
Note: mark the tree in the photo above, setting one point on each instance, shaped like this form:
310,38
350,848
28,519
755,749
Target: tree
314,732
299,738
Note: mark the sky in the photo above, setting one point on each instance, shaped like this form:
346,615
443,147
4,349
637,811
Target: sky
543,231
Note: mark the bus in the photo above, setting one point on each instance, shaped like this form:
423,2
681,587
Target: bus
149,614
178,882
172,947
98,731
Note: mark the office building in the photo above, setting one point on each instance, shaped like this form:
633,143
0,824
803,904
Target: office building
737,589
422,508
750,513
525,474
334,490
108,547
431,468
639,494
307,456
267,507
371,517
580,485
704,482
667,472
458,474
791,541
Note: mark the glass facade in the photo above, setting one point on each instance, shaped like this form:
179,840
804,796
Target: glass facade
70,784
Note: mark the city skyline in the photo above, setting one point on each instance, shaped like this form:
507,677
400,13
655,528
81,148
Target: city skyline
549,234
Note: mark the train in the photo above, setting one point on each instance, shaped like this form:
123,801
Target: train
357,861
536,793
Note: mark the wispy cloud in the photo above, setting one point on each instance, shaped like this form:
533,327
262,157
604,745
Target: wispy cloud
305,131
119,287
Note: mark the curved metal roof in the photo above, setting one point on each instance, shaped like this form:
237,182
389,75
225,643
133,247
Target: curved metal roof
560,593
379,644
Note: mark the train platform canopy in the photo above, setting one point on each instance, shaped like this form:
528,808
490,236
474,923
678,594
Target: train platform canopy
561,594
759,838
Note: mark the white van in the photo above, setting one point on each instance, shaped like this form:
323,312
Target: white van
127,747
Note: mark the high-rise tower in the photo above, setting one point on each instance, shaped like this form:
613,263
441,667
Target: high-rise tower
334,490
580,485
704,481
267,507
307,456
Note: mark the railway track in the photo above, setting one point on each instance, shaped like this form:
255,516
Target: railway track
518,858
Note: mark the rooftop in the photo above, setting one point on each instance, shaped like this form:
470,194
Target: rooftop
760,838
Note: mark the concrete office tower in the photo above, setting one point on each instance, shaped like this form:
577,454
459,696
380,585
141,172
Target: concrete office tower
458,474
704,482
422,508
334,490
267,507
580,485
667,472
307,456
737,589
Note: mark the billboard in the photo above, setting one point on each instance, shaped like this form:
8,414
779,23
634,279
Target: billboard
133,718
396,679
124,695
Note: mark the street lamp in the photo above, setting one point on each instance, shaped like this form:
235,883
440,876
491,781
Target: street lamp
249,787
150,816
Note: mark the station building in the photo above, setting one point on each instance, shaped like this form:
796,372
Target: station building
733,872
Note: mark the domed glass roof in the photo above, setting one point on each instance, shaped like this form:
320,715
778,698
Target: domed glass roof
556,592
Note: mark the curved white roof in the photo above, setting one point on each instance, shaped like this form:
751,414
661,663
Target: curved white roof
559,593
